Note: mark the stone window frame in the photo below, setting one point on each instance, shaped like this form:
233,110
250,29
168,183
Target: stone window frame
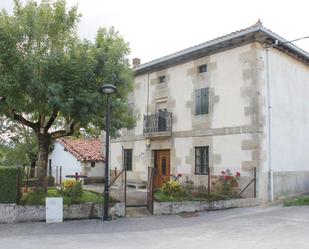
162,79
207,168
199,111
202,68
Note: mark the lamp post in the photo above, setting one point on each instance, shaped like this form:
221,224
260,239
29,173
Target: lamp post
107,89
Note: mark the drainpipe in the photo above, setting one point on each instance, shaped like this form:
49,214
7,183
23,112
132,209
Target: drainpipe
270,169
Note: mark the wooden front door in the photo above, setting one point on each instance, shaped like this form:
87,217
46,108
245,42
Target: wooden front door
162,167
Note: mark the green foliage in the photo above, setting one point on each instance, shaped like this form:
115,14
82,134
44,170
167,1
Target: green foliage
10,188
173,187
37,197
72,188
50,77
300,201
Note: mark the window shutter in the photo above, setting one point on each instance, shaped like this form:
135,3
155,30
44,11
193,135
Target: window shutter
204,100
198,102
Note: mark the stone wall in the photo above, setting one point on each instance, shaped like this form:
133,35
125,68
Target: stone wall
12,213
197,206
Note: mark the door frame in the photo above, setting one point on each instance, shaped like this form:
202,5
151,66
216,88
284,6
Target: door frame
159,179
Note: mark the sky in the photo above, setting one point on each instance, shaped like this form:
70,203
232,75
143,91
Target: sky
155,28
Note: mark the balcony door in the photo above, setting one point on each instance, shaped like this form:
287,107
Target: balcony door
162,167
161,108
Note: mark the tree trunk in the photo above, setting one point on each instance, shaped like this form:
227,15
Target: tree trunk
44,141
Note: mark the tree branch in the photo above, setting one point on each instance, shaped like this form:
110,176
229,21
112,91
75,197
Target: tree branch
51,120
19,118
72,127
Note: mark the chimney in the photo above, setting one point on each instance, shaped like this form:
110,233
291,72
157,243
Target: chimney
136,62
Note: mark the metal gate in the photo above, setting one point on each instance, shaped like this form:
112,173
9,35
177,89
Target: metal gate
150,189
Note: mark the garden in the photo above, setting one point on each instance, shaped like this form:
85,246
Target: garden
225,187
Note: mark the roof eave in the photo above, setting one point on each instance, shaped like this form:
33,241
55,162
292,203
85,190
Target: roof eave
214,46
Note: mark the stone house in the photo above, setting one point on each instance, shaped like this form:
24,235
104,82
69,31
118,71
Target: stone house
237,102
82,156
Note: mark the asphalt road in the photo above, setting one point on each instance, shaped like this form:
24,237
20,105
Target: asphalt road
260,227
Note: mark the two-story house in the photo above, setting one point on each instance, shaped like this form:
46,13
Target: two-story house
238,102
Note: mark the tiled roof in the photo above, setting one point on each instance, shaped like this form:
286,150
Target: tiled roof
220,42
83,149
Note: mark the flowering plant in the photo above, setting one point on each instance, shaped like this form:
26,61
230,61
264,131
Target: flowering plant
72,188
229,182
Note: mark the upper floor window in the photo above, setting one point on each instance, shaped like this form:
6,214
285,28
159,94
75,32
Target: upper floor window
201,101
202,68
127,157
92,164
162,79
202,160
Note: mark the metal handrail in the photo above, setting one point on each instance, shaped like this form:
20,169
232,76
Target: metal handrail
158,122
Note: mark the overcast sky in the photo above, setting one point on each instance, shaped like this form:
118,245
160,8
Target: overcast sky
155,28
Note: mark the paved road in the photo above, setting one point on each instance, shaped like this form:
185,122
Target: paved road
247,228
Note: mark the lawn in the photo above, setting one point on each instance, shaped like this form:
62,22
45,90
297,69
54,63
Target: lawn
38,197
301,201
162,197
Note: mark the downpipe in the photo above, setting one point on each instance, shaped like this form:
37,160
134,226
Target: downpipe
270,169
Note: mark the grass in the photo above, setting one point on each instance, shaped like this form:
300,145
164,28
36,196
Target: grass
38,198
162,197
301,201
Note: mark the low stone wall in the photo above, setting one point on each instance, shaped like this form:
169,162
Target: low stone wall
197,206
12,213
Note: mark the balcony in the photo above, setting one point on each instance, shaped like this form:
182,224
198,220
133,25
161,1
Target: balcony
158,124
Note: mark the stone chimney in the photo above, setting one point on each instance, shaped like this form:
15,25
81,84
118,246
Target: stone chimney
136,62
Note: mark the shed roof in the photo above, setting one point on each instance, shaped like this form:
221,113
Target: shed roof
83,149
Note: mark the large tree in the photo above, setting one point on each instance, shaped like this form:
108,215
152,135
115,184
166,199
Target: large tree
50,78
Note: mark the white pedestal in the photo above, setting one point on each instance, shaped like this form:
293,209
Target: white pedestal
54,209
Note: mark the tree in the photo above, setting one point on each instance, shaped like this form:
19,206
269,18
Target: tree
50,78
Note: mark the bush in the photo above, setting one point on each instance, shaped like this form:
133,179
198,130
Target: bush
11,179
72,188
173,187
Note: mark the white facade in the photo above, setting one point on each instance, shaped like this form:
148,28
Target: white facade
236,128
70,165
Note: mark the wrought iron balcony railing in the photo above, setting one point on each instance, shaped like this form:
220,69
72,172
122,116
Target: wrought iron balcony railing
158,122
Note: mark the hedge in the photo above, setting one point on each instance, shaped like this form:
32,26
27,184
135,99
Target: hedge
11,179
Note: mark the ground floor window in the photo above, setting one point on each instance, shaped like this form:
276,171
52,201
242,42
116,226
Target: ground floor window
202,160
127,157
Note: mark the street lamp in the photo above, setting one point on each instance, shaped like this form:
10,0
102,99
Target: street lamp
107,89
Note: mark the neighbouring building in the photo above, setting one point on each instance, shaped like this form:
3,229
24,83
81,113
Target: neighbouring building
82,156
238,102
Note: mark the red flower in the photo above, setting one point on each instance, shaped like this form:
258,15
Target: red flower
179,175
237,174
223,172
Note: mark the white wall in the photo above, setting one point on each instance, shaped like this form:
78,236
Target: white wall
60,157
289,100
97,171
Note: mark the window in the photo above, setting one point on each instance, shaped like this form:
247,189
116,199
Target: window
127,157
202,68
201,101
162,79
202,160
92,164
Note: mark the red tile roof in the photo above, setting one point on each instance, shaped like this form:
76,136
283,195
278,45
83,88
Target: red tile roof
83,149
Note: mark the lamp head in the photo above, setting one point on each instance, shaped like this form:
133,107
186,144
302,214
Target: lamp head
108,89
2,98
